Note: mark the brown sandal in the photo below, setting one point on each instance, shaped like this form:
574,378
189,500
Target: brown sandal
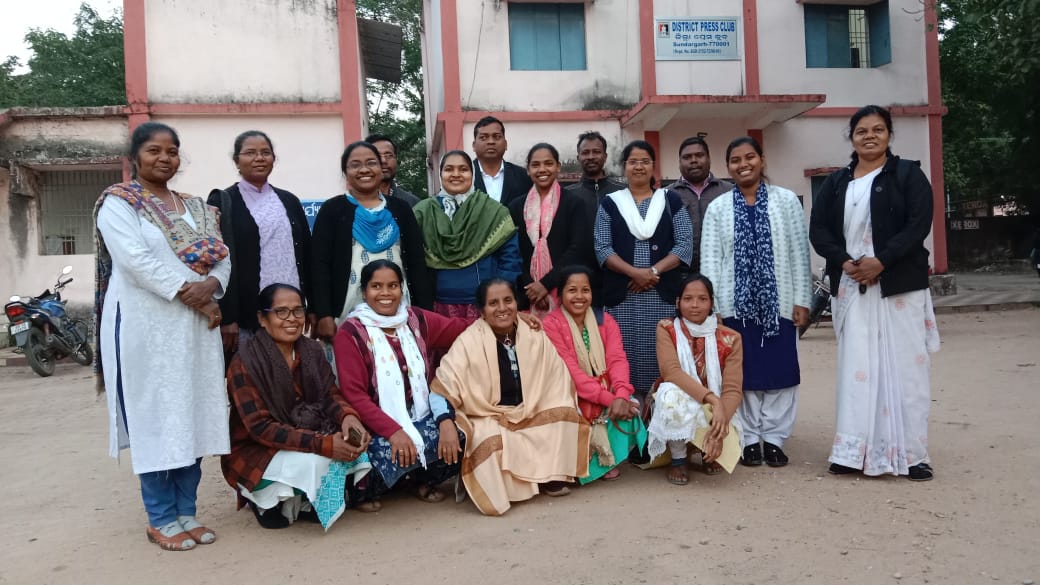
369,506
178,542
199,533
430,495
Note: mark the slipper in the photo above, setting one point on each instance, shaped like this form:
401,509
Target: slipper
712,468
680,466
430,494
612,475
178,541
369,506
198,532
555,489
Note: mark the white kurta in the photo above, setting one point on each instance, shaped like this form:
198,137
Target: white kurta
164,370
883,361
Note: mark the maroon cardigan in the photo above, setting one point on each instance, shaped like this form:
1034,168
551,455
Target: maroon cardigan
433,332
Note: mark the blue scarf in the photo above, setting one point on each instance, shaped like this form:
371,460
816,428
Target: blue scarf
374,230
755,280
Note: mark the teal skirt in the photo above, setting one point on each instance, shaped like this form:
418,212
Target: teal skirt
626,436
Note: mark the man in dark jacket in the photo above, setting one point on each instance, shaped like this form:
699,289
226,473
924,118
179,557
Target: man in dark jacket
501,180
697,187
594,183
388,156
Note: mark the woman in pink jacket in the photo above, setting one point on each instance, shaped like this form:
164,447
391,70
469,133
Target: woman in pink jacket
589,341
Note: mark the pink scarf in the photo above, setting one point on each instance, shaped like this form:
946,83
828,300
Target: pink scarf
538,217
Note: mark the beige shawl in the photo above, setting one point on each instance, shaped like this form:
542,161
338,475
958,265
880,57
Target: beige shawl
512,449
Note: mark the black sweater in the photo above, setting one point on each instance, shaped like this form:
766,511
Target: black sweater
900,216
239,304
332,244
569,241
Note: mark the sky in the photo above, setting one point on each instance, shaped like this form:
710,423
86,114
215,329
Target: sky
19,16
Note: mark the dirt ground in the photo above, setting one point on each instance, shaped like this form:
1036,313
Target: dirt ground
75,516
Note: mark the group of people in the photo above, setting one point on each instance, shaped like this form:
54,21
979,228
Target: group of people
514,333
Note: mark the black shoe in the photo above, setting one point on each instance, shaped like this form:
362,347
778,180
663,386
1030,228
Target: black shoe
921,472
308,516
836,469
639,456
752,455
272,518
775,456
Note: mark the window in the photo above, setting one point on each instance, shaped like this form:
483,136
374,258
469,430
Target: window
67,208
847,36
546,37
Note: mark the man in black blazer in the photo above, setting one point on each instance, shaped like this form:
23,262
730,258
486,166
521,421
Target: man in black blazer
503,181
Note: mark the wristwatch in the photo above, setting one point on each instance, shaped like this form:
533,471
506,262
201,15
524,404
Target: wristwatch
654,270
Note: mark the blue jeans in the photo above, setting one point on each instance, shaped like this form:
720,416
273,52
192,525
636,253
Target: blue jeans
170,493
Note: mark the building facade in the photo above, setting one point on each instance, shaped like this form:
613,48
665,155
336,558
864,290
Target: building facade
787,72
295,70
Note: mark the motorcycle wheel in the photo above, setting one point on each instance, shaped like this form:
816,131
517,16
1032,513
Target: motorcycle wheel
40,359
84,354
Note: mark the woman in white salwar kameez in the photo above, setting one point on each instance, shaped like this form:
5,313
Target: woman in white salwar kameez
870,221
160,266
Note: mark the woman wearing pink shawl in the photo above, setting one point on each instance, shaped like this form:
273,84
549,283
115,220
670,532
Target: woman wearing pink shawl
551,227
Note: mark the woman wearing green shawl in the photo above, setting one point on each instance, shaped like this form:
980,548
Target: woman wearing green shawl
469,238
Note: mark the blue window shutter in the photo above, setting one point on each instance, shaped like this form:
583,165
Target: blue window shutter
880,34
547,37
522,37
815,35
838,53
572,36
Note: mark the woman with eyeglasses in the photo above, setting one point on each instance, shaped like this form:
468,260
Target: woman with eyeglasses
266,230
295,442
644,243
356,228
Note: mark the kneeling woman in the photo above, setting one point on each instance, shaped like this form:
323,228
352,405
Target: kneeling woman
701,364
516,404
589,341
382,352
291,430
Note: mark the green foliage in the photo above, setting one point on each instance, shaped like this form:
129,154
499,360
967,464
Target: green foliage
990,77
397,109
83,70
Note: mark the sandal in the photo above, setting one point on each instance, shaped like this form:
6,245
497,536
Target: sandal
555,489
710,468
369,506
178,541
430,494
612,474
677,472
775,456
198,532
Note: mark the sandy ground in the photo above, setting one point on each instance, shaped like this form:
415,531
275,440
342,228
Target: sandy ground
72,515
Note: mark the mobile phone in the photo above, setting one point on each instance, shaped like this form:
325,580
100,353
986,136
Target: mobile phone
354,437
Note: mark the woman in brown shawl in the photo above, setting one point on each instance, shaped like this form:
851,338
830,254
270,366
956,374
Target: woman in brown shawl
291,430
516,404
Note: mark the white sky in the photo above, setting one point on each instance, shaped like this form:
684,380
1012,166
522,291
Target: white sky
21,15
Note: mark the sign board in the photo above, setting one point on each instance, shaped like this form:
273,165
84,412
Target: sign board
697,39
310,208
957,225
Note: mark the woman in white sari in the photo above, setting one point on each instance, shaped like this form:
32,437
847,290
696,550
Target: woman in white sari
870,221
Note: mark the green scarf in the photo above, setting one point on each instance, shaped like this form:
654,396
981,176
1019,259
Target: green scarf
479,228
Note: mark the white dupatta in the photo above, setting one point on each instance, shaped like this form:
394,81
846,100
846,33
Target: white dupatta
389,381
640,227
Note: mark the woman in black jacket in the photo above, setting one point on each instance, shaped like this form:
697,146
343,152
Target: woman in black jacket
267,233
552,231
869,222
356,228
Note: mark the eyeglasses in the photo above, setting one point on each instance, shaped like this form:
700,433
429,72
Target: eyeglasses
284,312
639,162
372,165
257,154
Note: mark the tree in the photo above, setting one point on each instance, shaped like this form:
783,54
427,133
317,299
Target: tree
397,109
990,74
85,69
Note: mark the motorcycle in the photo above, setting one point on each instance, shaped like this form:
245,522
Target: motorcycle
45,333
821,302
